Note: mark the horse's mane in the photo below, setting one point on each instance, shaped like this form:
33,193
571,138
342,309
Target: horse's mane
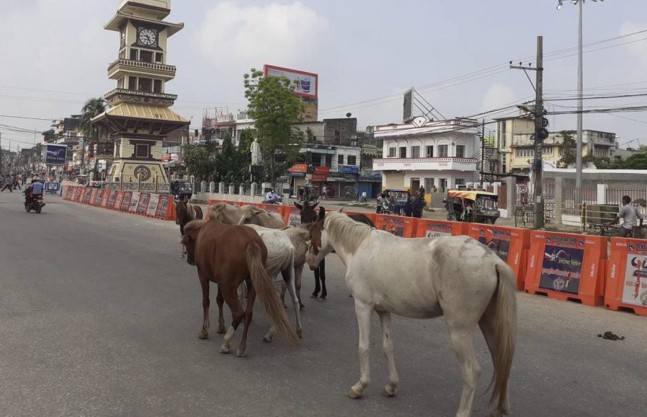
219,212
346,231
298,231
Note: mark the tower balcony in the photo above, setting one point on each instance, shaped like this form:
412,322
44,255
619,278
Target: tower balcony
124,67
122,95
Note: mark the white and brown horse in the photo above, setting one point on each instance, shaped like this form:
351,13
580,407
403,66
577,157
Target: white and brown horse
454,276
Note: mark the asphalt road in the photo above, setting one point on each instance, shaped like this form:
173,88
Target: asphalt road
99,317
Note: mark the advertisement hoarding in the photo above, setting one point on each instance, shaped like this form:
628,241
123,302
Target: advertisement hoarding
55,154
306,84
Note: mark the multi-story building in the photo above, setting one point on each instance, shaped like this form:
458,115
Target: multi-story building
515,143
437,154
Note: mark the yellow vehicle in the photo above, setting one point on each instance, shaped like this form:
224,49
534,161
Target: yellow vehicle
472,206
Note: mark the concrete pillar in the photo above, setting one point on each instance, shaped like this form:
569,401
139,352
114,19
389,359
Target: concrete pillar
221,188
253,189
212,187
511,195
231,188
559,200
203,186
241,189
601,194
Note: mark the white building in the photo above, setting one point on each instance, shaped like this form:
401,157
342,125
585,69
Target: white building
437,154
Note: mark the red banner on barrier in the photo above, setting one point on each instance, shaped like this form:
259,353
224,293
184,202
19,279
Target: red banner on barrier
152,205
397,225
96,197
435,228
142,206
78,194
114,202
134,202
162,206
69,193
106,197
87,195
125,203
509,243
626,280
567,266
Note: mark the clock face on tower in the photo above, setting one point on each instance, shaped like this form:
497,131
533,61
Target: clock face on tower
147,37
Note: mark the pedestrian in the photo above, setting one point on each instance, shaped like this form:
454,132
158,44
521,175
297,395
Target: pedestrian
16,182
416,206
407,209
8,183
421,190
630,215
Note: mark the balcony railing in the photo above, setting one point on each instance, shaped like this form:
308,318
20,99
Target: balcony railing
122,64
145,94
430,164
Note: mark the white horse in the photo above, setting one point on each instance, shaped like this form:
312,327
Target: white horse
453,276
256,215
280,259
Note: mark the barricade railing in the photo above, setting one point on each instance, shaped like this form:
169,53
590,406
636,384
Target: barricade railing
626,278
398,225
567,266
436,228
511,244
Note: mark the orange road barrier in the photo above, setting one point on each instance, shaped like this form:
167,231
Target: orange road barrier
125,203
69,193
435,228
134,202
151,210
292,216
78,194
626,283
114,202
87,195
106,197
165,207
142,206
567,266
273,208
398,225
93,196
509,243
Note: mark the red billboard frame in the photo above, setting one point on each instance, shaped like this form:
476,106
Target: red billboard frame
266,68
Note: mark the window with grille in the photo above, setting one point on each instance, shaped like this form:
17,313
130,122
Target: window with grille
415,151
460,151
442,151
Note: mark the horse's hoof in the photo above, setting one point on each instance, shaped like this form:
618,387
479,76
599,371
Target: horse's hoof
301,306
313,296
267,339
322,299
388,391
300,334
241,354
203,335
221,330
224,350
353,394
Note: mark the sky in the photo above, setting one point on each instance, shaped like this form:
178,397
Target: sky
456,54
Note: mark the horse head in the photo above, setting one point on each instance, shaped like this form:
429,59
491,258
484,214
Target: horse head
180,211
318,240
307,211
188,239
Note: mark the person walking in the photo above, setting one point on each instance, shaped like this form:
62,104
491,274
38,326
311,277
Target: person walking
16,182
416,206
8,183
421,190
407,209
630,216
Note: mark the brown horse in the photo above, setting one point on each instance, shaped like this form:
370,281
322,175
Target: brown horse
184,213
229,255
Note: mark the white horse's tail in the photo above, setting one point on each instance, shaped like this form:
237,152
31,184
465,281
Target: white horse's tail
505,332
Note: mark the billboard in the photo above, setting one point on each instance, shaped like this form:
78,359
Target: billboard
55,154
306,83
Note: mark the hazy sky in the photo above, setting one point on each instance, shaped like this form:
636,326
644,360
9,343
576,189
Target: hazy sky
55,54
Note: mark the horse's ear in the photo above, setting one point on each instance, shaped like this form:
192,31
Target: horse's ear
322,214
340,210
299,206
315,204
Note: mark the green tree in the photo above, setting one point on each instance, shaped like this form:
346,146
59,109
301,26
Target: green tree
231,163
569,149
635,161
92,108
275,108
200,161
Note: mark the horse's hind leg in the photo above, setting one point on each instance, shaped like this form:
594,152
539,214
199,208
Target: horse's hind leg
242,347
387,345
204,332
288,277
363,312
322,276
237,313
470,368
221,320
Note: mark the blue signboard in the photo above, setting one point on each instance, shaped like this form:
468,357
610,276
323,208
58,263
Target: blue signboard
55,154
348,169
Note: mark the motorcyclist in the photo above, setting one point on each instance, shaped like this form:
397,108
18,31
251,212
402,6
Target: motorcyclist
34,190
272,197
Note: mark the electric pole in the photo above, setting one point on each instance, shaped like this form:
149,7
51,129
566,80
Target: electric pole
540,133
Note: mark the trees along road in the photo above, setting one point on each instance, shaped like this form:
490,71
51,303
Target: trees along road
99,316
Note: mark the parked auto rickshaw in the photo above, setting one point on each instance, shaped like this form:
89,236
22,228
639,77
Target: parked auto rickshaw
472,206
391,201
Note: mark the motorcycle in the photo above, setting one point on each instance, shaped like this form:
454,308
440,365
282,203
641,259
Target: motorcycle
34,203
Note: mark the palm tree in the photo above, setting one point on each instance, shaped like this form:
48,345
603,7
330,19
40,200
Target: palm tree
92,108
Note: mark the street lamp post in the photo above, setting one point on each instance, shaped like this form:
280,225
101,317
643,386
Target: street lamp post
580,88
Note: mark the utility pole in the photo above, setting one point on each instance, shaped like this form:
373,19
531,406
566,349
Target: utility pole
540,133
483,152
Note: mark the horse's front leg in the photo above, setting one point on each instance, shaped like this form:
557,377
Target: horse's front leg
387,345
288,277
322,276
204,332
221,319
298,271
363,312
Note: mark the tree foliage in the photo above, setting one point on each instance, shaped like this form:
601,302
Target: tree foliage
569,149
92,108
275,109
635,161
200,161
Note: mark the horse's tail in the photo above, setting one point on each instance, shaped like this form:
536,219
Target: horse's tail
505,332
198,212
263,286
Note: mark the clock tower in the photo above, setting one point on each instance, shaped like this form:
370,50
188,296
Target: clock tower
139,115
